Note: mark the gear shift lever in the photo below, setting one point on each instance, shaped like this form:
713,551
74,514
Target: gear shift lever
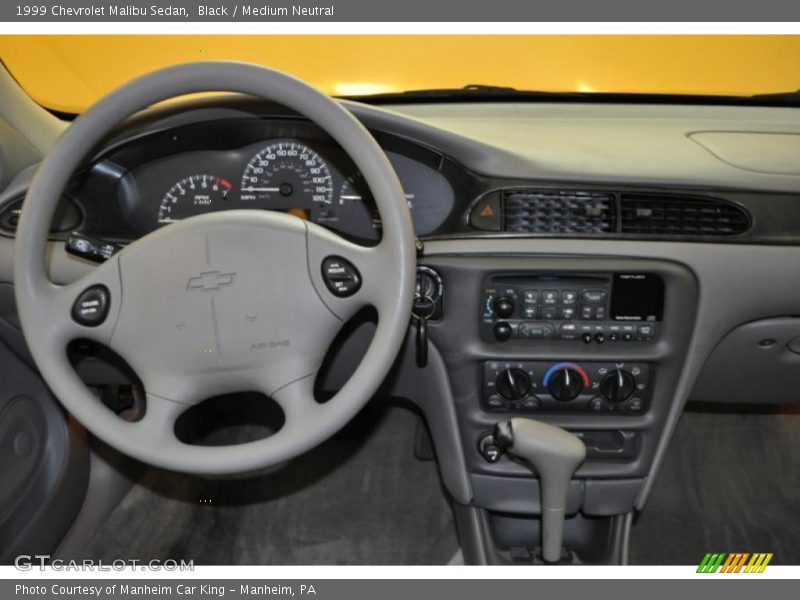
555,454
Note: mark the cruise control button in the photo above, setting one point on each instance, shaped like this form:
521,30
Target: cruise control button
340,276
91,307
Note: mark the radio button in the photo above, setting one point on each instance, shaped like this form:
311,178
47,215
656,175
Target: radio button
549,312
530,312
646,330
567,313
569,331
587,312
549,297
600,313
569,297
530,297
594,296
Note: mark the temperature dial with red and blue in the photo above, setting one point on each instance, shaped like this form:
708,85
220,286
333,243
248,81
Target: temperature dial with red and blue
565,381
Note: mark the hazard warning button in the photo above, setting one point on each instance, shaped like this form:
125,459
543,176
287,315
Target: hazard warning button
486,214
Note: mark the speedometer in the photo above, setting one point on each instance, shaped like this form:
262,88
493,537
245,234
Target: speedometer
287,170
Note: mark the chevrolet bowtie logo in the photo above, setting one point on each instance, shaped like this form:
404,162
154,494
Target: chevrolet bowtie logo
210,281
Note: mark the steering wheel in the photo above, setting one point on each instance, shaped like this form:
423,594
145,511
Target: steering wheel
239,300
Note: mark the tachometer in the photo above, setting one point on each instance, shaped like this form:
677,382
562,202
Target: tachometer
287,171
193,195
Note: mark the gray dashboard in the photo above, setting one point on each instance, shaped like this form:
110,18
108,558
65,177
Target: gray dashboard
462,152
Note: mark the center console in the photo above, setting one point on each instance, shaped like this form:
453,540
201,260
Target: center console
592,345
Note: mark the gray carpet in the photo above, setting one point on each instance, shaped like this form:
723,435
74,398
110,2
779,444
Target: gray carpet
360,498
730,482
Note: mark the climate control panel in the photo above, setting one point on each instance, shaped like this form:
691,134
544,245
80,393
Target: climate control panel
599,387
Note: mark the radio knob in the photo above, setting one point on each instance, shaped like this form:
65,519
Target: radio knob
503,307
502,331
618,386
513,384
565,383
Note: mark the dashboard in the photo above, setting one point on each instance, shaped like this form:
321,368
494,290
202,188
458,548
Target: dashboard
588,263
159,170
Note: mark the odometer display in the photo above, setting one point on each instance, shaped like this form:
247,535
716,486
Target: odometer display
287,172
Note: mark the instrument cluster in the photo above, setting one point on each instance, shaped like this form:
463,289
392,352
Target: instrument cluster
303,175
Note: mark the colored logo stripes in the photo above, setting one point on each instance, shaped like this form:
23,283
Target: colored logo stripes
735,562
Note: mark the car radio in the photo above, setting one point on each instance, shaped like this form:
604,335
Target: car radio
592,308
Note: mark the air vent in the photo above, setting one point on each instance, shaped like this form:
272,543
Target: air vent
558,212
647,214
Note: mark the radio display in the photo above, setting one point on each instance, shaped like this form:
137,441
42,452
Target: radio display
637,297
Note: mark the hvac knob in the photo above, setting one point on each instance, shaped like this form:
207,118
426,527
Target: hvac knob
513,384
617,386
565,384
503,307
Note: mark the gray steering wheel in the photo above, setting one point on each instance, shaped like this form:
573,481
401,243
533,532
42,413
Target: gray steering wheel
224,302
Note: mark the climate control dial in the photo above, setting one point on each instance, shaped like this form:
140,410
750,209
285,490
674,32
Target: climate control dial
513,384
566,381
617,386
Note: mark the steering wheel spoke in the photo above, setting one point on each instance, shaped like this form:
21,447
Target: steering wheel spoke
296,399
158,424
348,276
87,308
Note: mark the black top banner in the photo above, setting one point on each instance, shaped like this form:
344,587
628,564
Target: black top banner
464,11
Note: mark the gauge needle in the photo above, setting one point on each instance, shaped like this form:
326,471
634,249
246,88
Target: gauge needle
262,189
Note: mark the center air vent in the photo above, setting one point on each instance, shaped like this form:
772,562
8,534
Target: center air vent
558,211
675,215
606,214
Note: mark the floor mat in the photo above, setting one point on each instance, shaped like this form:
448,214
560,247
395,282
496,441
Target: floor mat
730,483
360,498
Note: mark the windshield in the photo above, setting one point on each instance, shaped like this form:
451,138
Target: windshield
68,73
